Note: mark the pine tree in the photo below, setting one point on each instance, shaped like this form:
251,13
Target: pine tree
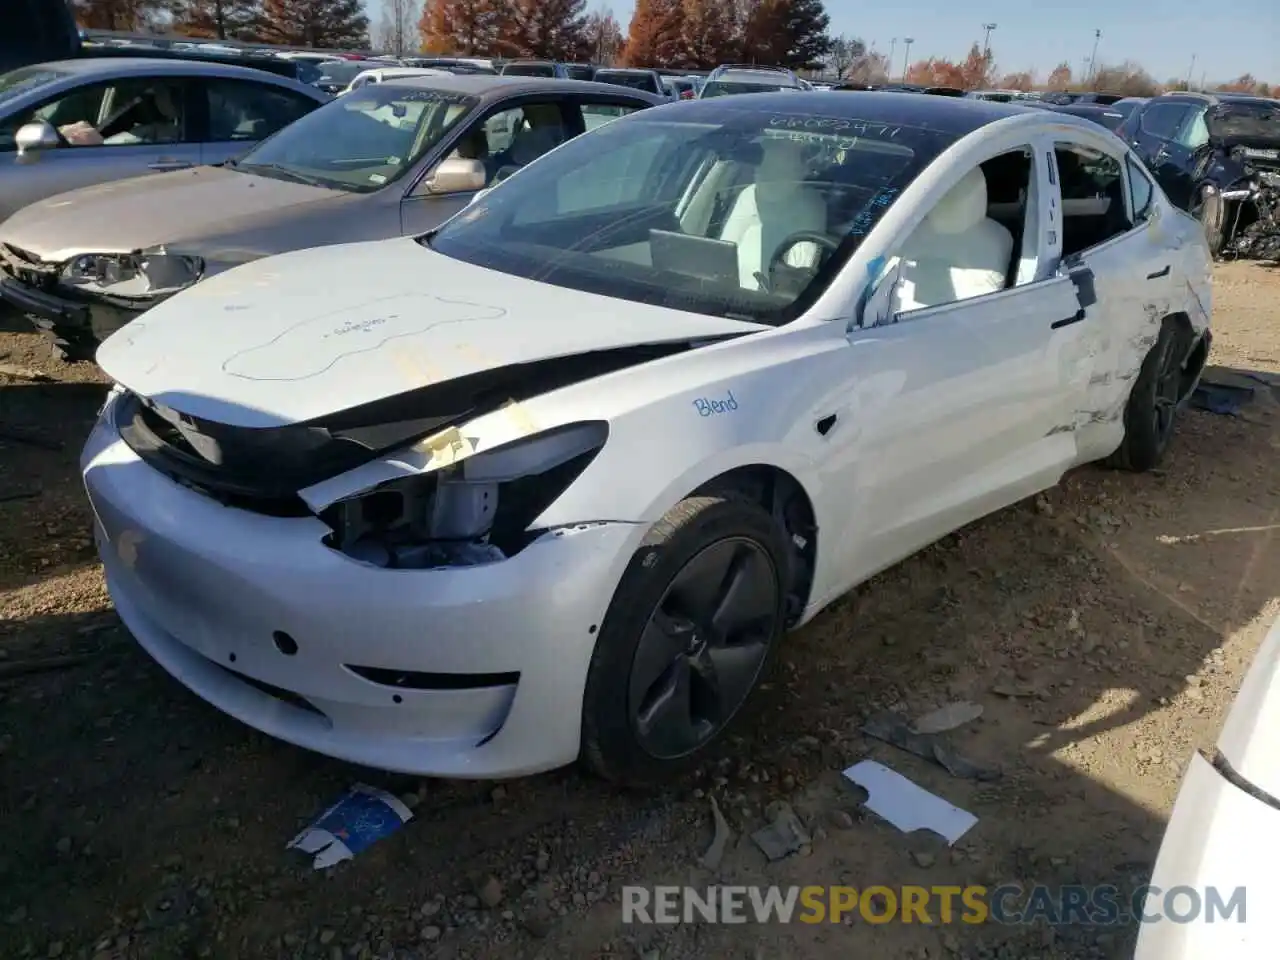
464,27
547,30
789,33
331,24
654,37
709,34
216,19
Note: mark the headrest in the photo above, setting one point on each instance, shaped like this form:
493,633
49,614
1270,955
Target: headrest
530,144
781,161
964,206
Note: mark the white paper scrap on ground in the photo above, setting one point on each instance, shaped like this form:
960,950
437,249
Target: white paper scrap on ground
363,816
907,806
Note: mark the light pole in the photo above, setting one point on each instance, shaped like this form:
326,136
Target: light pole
906,56
1093,57
893,45
1190,70
986,40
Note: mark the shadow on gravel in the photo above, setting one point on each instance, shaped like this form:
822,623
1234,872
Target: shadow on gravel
148,824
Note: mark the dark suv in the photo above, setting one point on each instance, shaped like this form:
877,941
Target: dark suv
1218,157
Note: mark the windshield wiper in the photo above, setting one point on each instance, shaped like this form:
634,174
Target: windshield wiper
282,173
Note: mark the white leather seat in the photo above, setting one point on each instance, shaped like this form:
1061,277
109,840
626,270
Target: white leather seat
777,204
958,252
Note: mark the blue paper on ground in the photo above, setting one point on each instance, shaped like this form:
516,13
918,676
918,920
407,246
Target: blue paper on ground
1224,399
363,816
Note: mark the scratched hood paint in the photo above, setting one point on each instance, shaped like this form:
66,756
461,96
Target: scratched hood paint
294,337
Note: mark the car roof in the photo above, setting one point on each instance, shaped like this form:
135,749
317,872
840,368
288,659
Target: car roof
774,77
492,87
626,70
130,66
954,115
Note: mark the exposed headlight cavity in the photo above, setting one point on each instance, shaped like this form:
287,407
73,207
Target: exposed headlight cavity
150,273
478,510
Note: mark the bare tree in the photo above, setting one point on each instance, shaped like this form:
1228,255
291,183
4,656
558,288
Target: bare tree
398,28
844,54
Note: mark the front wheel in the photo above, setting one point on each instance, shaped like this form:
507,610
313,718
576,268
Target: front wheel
691,630
1153,404
1210,214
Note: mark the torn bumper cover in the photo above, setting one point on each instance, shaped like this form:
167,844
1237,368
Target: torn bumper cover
403,627
74,322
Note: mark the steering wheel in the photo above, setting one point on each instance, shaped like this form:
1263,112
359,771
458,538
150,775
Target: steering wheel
828,245
795,239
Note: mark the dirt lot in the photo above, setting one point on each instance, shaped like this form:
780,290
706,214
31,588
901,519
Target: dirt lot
1104,628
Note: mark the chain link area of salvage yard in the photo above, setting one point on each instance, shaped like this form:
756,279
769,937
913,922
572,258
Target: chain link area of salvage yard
1103,628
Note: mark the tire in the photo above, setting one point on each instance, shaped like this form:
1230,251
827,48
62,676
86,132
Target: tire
1209,213
694,535
1146,436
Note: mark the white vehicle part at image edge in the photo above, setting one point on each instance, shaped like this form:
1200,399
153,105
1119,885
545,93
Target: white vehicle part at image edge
1222,832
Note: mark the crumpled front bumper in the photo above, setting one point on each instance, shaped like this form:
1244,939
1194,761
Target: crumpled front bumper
497,654
74,326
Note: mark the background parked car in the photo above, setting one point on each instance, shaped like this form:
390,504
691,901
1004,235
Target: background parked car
383,74
336,75
1099,114
1217,156
646,80
534,68
388,159
72,123
728,79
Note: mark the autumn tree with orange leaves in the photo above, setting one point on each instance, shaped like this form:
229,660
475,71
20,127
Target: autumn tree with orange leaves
130,15
465,27
708,34
656,34
1059,78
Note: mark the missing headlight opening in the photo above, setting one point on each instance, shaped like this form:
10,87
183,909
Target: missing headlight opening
473,512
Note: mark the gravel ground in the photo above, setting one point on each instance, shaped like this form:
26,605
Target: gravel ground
1104,627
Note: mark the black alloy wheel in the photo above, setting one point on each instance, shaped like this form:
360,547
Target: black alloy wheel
703,647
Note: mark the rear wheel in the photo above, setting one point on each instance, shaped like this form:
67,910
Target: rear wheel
691,630
1153,404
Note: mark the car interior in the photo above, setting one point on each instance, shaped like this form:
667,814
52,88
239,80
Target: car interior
1093,204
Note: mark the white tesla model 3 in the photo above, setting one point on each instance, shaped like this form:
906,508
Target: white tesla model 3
554,479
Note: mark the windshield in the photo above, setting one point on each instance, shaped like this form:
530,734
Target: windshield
17,82
362,141
742,214
529,70
307,72
340,71
722,88
623,78
1245,121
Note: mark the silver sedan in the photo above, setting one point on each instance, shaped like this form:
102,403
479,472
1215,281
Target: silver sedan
74,123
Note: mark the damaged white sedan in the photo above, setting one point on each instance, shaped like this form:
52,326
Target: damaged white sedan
553,480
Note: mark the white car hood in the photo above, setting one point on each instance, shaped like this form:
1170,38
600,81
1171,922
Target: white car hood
294,337
1250,739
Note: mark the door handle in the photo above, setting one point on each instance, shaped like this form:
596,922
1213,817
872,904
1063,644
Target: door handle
1159,273
1068,321
163,164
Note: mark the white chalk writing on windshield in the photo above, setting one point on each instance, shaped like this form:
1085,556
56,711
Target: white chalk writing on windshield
858,128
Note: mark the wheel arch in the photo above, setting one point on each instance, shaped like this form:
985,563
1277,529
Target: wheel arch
784,496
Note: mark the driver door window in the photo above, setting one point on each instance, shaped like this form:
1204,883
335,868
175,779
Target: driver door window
129,112
979,239
512,138
1162,120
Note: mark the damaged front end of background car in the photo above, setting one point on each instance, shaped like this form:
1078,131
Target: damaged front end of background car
1240,196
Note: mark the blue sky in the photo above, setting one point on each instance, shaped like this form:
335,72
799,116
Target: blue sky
1228,38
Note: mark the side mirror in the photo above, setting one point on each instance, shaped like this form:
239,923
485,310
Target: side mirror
35,137
457,175
879,306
